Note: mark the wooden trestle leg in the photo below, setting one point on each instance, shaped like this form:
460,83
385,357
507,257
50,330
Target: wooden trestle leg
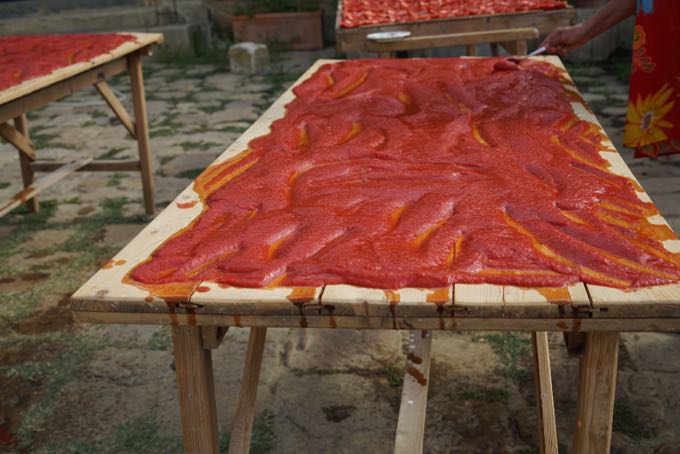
27,174
193,365
142,130
245,411
597,385
544,393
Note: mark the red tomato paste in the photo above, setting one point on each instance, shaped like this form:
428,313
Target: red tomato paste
29,56
420,173
356,13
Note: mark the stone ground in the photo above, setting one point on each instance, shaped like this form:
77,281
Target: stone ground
78,389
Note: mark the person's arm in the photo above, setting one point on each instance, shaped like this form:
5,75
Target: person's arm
564,39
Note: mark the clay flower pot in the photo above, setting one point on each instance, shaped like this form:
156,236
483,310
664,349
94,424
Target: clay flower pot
300,30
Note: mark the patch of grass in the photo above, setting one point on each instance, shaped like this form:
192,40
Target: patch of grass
161,339
88,123
317,371
629,424
4,184
72,201
211,109
111,154
483,394
511,348
189,145
395,376
161,133
276,78
115,179
41,140
191,174
234,129
98,114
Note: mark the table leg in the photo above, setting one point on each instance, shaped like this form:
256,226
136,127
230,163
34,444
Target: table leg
494,49
471,50
196,387
597,384
241,432
27,174
544,393
142,130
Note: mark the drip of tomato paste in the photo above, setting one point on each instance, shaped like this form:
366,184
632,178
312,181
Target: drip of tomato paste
29,56
420,173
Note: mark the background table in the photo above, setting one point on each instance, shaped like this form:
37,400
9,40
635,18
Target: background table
32,94
199,321
471,30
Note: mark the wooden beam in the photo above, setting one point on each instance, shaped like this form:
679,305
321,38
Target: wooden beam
241,432
212,336
411,423
109,96
544,393
97,165
60,89
453,39
41,184
20,141
27,174
193,365
597,385
142,130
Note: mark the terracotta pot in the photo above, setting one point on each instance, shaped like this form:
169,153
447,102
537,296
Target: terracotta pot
302,31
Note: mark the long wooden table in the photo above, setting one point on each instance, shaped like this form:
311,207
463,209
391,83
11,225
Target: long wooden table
595,313
504,29
32,94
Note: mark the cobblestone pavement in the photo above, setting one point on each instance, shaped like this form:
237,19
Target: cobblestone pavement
111,389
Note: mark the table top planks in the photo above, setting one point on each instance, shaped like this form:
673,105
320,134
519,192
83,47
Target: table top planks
141,40
106,298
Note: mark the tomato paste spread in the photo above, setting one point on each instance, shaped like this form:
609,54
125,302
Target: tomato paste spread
420,173
29,56
356,13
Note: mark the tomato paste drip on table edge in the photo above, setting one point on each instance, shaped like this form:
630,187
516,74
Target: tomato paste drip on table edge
419,173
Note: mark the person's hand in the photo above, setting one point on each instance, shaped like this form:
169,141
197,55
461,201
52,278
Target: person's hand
563,40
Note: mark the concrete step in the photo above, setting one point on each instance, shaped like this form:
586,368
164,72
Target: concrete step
86,20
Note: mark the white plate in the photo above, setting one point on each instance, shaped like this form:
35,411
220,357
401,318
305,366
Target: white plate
386,37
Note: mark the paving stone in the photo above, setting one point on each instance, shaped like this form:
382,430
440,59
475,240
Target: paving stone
653,351
593,97
120,234
188,161
615,111
43,239
223,81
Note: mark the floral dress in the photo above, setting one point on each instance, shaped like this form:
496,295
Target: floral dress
653,116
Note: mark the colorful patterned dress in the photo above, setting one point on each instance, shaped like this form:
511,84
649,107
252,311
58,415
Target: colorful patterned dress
653,116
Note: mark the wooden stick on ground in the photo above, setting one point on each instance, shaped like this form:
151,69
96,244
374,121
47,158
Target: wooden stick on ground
544,393
193,365
245,412
411,424
597,384
142,130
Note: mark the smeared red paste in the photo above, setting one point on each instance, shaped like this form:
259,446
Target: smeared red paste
29,56
356,13
419,173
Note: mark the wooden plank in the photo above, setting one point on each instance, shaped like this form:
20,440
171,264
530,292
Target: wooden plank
411,422
142,130
478,300
41,184
109,96
195,384
597,384
354,39
544,393
20,141
212,336
96,165
27,174
242,428
141,41
363,322
545,301
39,97
468,39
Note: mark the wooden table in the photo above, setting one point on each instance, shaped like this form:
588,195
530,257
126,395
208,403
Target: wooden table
596,313
511,30
32,94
